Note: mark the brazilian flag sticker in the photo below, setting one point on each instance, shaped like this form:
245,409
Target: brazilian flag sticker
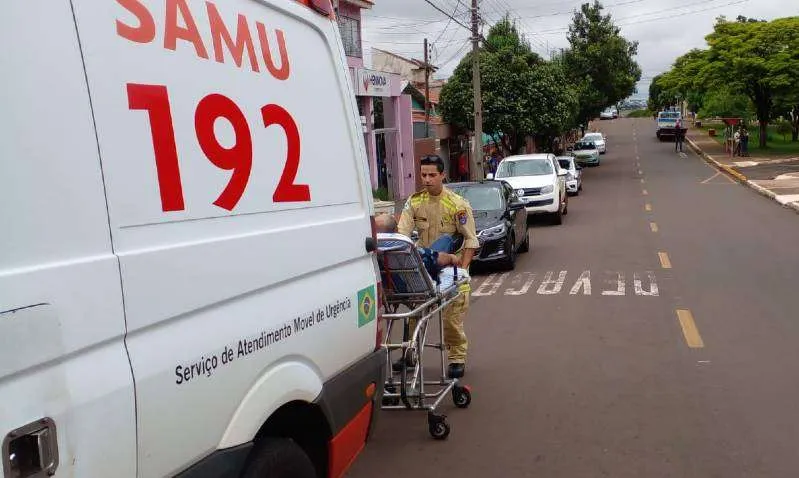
367,305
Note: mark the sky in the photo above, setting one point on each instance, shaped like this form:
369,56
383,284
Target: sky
664,30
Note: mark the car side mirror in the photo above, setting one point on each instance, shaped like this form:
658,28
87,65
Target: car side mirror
490,176
515,205
563,173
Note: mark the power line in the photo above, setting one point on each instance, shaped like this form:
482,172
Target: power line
449,22
565,30
447,14
417,20
408,42
604,6
457,53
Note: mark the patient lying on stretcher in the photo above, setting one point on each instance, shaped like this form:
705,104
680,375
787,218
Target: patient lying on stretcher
435,262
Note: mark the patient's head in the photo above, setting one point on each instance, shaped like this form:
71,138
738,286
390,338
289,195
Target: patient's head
386,223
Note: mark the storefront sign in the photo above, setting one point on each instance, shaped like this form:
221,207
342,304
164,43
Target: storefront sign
372,83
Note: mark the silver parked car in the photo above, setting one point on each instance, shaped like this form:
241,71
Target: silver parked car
574,178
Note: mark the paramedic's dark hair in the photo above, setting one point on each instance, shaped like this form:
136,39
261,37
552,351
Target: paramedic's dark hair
433,160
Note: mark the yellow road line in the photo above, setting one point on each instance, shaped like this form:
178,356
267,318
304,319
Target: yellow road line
653,226
648,207
664,260
689,329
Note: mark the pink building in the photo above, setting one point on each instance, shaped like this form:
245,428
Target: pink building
385,111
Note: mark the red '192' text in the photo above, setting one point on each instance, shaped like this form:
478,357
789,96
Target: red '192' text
155,100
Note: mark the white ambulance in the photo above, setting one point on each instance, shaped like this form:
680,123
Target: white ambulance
187,277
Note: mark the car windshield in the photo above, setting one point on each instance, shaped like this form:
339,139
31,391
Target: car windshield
593,137
669,114
565,163
584,146
481,198
524,167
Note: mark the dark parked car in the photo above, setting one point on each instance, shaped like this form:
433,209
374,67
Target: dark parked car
500,219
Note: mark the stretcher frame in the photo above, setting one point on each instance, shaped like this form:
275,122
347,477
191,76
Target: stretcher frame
423,298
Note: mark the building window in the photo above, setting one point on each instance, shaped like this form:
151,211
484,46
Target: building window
350,35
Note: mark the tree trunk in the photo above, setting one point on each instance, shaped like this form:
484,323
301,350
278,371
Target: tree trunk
795,123
518,143
763,133
762,100
506,145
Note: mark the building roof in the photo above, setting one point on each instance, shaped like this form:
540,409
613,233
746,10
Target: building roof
418,63
359,3
434,87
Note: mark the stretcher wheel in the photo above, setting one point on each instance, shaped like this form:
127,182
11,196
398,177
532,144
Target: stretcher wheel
391,401
439,429
461,396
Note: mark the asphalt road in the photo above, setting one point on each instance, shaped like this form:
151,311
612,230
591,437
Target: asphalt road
681,361
770,171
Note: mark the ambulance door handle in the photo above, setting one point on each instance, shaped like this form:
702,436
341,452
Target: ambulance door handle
370,244
31,451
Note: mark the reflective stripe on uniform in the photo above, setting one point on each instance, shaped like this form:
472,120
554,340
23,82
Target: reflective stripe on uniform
449,203
417,199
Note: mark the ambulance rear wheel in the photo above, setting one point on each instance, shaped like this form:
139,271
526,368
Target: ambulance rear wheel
279,458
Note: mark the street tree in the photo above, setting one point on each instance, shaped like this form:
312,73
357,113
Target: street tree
600,61
724,103
521,94
685,80
759,59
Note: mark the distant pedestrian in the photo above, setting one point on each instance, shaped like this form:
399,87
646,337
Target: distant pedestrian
737,143
463,167
744,141
678,139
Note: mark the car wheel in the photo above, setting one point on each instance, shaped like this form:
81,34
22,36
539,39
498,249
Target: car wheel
510,257
557,218
525,246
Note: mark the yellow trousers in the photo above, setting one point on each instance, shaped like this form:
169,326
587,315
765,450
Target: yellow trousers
454,336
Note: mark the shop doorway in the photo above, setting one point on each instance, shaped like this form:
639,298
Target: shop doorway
388,166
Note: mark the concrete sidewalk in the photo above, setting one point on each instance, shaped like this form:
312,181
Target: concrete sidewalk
776,178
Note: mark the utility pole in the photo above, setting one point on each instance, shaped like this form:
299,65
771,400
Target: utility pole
426,91
477,155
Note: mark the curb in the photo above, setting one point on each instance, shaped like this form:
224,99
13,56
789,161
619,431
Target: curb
741,178
777,161
728,169
770,194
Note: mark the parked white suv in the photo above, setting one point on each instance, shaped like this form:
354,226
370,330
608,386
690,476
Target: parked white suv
539,181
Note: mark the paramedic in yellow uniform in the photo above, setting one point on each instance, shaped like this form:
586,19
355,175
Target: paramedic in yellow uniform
434,211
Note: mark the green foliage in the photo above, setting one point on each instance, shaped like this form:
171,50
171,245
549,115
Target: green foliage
759,59
640,114
727,104
600,61
380,193
522,95
784,129
748,57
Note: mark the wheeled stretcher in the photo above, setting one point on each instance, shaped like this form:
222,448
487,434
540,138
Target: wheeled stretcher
411,299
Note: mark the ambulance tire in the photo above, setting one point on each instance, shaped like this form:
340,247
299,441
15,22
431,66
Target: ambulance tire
279,458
